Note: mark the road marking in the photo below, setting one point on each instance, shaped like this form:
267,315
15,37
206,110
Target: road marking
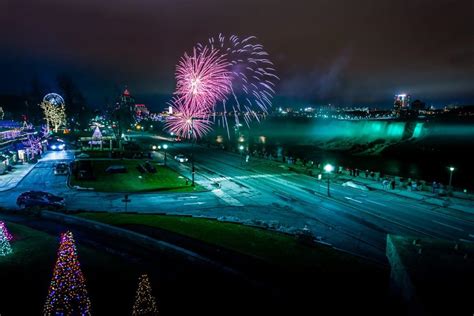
453,227
471,235
226,197
188,197
349,198
254,176
375,202
465,240
194,203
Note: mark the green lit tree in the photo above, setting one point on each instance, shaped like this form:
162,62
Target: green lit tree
67,292
145,302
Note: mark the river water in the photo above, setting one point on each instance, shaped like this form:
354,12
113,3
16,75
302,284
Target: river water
419,150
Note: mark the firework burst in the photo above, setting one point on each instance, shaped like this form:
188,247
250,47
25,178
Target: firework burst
253,77
203,77
191,119
225,76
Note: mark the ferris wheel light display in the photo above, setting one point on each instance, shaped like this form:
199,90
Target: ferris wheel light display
54,99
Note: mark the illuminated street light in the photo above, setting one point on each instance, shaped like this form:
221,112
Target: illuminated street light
153,147
328,168
241,148
451,169
165,146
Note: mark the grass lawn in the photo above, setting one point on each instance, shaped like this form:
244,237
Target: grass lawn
272,247
165,179
26,273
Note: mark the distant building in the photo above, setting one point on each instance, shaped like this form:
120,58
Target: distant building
417,105
402,101
126,99
141,110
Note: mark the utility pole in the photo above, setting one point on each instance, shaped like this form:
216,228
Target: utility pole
191,131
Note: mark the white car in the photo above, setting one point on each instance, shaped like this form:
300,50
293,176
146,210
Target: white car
181,158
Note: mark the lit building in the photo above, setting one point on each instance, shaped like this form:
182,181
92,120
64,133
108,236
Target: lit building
402,101
141,110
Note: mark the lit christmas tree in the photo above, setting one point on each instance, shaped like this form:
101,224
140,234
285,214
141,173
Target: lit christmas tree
145,303
6,233
67,292
96,136
5,248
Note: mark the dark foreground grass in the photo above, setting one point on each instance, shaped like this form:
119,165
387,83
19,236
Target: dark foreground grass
273,247
165,179
25,275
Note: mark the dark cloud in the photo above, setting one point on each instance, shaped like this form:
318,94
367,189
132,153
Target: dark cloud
326,51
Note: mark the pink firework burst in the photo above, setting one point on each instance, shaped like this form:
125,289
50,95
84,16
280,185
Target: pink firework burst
224,77
253,77
191,119
203,77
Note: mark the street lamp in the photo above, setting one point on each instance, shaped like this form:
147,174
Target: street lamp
328,168
451,169
165,146
241,148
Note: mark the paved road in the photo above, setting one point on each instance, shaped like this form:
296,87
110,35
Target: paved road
352,220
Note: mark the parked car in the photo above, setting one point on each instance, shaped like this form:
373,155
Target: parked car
39,199
61,168
181,158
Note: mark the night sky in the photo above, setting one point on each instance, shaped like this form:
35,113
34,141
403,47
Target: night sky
344,52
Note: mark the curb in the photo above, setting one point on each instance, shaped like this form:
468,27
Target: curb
24,176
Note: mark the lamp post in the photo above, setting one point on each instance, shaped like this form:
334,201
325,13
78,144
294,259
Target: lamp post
328,168
191,131
451,169
241,149
165,146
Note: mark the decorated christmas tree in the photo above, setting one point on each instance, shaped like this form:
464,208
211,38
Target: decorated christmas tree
5,248
96,136
145,303
67,292
6,233
97,133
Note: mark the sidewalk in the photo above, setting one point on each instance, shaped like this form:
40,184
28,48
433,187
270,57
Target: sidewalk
11,179
460,204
